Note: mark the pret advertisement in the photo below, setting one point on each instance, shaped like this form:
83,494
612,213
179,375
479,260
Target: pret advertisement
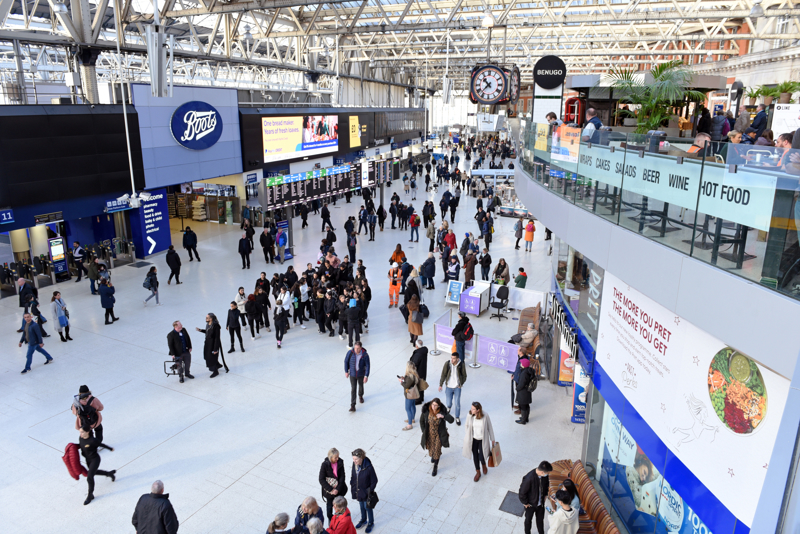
716,408
293,137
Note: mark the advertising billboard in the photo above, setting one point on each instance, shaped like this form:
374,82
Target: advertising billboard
715,408
293,137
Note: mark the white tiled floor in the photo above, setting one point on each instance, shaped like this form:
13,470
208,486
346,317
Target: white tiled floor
236,450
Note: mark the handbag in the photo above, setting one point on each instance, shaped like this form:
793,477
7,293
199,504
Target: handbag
332,482
62,320
416,316
413,392
495,455
372,500
422,385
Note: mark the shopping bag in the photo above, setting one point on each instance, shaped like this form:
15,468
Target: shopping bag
495,455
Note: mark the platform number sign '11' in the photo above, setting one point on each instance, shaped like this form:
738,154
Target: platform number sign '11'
6,216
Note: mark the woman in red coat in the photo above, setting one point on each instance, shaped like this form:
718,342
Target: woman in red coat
341,523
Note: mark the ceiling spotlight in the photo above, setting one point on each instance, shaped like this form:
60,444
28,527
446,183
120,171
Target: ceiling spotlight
248,37
709,54
488,19
60,7
757,10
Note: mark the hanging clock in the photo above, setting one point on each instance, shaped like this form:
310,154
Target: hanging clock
489,84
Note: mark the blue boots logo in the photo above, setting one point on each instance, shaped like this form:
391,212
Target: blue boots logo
196,125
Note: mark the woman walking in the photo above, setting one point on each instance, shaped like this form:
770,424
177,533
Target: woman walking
410,383
478,438
363,481
107,299
519,226
59,309
530,228
332,477
433,423
414,327
88,445
251,309
281,319
151,283
213,345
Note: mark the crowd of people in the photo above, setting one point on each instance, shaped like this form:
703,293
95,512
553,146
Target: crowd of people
334,293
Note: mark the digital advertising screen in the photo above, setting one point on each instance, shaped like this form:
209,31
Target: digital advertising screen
292,137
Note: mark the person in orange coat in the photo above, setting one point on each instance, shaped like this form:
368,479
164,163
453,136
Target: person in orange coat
341,522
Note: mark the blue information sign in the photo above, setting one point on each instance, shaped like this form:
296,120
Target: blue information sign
150,225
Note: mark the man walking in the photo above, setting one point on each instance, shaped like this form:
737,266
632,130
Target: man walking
78,254
353,322
532,494
244,251
268,245
32,335
326,218
190,243
356,369
154,512
462,333
454,374
86,409
180,348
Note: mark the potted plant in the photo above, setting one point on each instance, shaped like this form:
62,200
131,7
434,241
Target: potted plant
656,97
786,89
753,93
769,94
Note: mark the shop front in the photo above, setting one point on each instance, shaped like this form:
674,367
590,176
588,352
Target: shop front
679,426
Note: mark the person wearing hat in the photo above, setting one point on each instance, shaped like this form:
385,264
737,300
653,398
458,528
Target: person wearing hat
464,248
405,269
750,136
86,410
470,261
523,395
394,285
353,322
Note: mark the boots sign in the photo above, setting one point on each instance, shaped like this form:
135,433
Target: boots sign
196,125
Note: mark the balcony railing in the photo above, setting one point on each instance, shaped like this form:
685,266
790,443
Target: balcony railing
731,205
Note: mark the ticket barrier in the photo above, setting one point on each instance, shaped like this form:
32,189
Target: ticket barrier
124,251
44,269
8,278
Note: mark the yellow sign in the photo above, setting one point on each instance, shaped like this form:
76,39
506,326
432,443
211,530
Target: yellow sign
355,132
542,130
282,136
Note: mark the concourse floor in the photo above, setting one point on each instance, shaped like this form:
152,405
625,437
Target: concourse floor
236,450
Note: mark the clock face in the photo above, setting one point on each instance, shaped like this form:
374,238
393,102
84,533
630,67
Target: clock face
489,84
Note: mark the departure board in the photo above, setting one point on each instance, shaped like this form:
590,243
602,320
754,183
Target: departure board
288,190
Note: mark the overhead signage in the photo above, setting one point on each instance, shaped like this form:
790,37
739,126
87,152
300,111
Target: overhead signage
294,137
549,72
250,178
116,205
291,189
6,216
150,224
56,216
58,254
196,125
715,408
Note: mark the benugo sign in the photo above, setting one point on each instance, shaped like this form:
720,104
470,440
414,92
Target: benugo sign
745,197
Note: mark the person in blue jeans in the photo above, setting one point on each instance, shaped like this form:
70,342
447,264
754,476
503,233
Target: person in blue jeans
454,374
408,382
32,335
363,481
415,220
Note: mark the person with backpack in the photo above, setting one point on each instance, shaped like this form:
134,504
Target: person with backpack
527,379
414,221
413,183
462,333
326,219
381,216
352,241
150,283
86,410
372,221
190,243
33,305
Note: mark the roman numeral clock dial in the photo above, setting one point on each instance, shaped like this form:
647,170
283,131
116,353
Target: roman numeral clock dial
489,84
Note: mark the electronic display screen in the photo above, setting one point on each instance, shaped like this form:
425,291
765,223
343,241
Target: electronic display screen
293,137
291,189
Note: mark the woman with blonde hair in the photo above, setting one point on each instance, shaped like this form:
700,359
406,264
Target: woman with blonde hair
332,478
279,524
410,383
305,512
478,438
59,309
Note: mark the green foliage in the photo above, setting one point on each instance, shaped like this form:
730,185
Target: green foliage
769,91
754,92
788,87
657,98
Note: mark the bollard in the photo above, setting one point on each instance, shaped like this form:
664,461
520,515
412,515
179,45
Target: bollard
474,364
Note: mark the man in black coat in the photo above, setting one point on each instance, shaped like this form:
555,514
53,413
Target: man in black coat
174,264
330,237
420,360
326,218
180,348
304,214
353,323
244,251
533,494
154,512
268,245
190,243
213,344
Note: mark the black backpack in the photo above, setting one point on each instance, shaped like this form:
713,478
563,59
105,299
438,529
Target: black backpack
88,414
